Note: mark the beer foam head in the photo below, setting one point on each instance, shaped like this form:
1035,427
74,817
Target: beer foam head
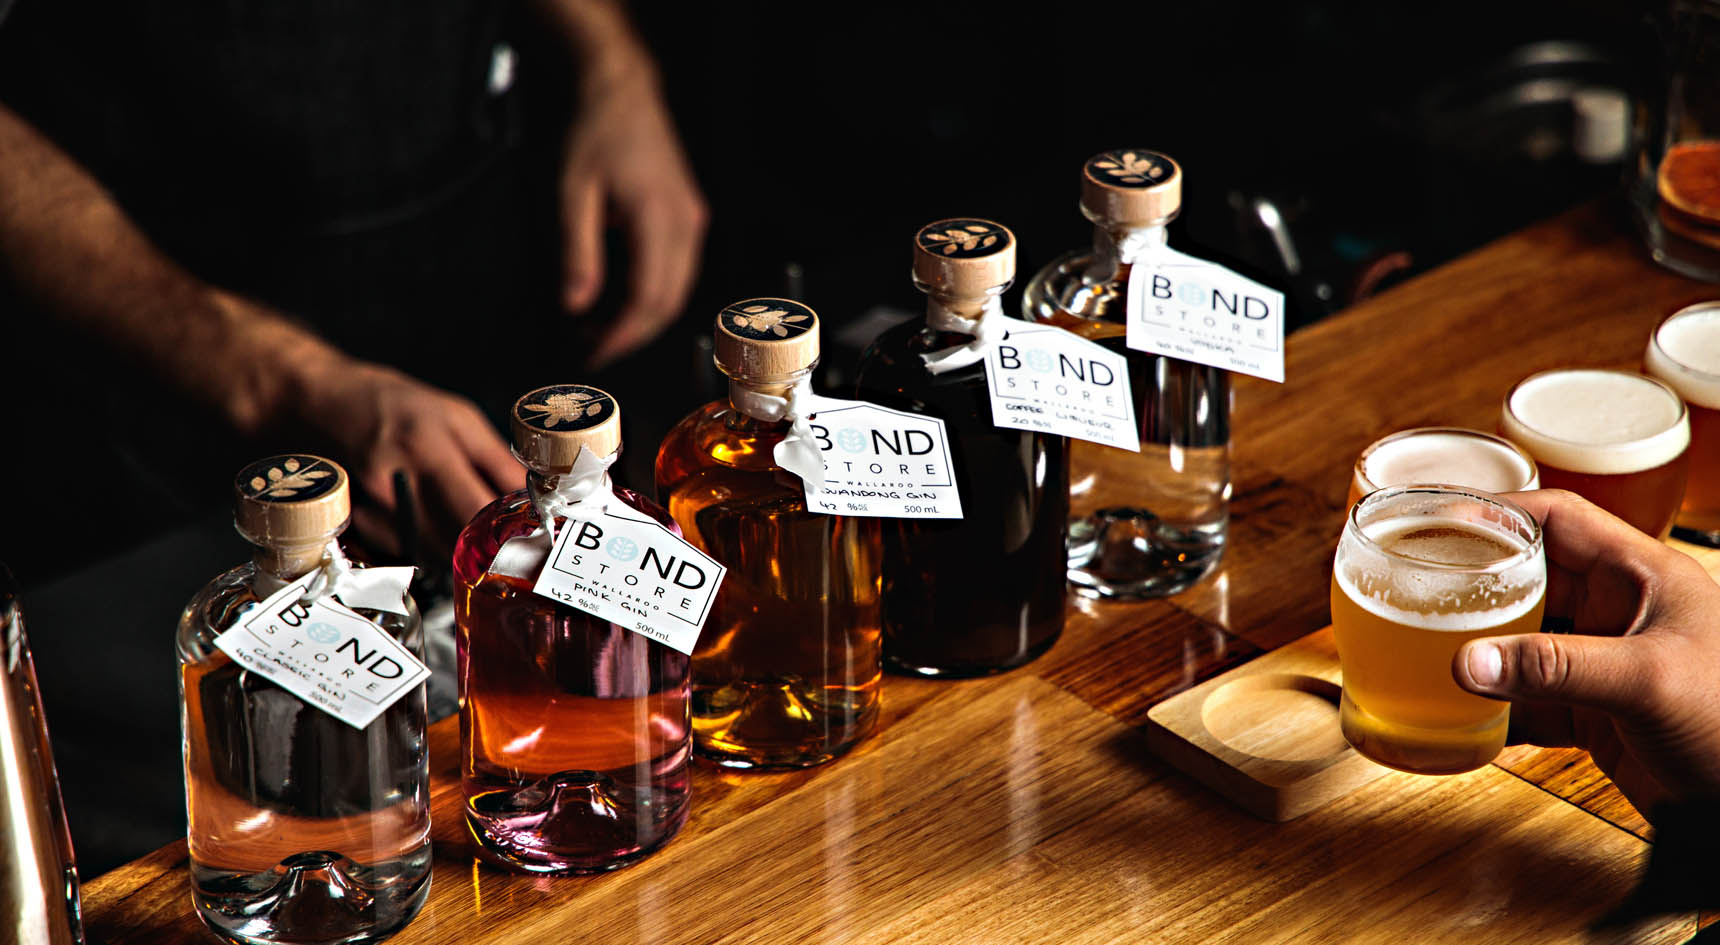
1441,560
1685,353
1596,422
1447,454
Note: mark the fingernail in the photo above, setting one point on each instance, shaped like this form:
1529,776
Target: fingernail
1486,664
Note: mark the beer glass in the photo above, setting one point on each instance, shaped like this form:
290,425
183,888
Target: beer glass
1616,438
1685,353
1443,454
1421,569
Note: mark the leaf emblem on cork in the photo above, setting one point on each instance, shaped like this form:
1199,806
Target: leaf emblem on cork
763,319
1131,168
287,480
966,238
566,407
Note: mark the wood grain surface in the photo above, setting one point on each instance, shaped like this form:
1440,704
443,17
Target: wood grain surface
1026,808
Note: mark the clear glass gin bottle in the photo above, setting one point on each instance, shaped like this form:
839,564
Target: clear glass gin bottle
1014,483
302,828
574,733
787,669
1151,523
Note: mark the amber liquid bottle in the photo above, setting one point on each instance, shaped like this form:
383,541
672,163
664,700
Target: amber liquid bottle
302,828
1151,523
787,669
574,732
984,593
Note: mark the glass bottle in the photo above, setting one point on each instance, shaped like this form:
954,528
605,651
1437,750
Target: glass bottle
1152,523
574,732
786,672
1014,483
301,827
39,901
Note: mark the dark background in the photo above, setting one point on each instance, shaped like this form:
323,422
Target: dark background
1390,137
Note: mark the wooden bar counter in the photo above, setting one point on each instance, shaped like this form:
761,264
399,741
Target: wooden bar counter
1026,807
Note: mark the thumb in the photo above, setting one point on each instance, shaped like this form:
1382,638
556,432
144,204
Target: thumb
1604,673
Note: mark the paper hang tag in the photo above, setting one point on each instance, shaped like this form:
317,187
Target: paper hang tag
324,653
381,589
623,567
880,463
1048,380
522,557
1188,308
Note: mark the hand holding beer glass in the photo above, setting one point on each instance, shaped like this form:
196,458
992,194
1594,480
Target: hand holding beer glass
1419,571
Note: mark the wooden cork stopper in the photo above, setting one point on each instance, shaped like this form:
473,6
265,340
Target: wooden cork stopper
550,424
762,339
964,258
1131,188
291,499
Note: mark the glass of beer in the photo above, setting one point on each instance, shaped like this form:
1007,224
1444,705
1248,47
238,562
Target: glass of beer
1685,353
1444,454
1419,570
1617,439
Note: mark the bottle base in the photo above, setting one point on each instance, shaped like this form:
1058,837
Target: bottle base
779,724
574,823
928,669
1132,554
742,759
318,898
529,859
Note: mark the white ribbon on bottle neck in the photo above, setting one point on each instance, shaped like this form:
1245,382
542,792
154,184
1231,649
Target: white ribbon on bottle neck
370,588
798,451
987,330
582,492
1109,252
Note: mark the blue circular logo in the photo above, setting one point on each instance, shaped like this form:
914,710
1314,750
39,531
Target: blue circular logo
851,440
1039,361
322,633
622,548
1191,293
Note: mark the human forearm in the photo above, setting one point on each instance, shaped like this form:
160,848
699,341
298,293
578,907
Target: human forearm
66,244
605,49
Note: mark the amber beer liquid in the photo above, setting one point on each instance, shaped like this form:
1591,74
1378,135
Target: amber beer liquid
1684,352
1452,455
1615,438
1419,571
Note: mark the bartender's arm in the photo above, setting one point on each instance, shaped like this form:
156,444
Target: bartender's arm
67,245
623,164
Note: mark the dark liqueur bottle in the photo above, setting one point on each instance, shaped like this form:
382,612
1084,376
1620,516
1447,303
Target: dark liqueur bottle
984,593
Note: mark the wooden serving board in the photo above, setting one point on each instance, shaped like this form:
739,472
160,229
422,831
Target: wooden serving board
1266,733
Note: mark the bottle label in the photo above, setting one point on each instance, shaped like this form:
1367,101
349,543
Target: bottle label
1048,380
325,653
626,568
881,463
1184,307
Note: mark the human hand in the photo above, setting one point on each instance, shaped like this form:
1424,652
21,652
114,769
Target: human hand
382,421
1637,681
623,162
